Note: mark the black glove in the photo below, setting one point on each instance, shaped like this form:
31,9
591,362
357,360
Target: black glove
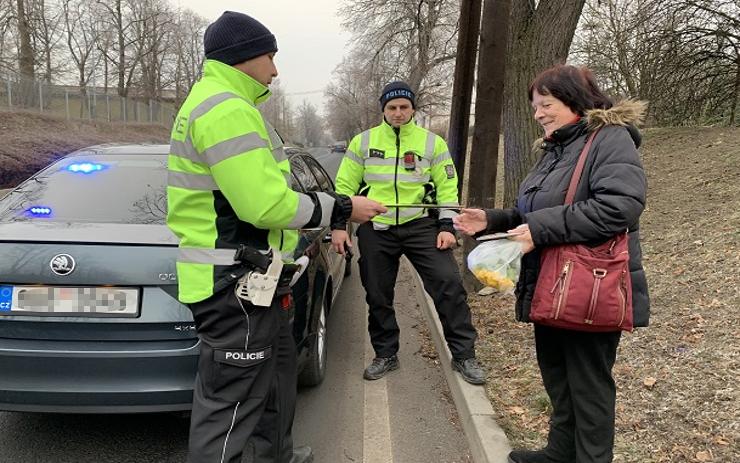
446,226
342,211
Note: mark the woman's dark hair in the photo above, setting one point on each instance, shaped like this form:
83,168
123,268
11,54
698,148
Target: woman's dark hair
575,87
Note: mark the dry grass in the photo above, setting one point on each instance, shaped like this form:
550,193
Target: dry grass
32,141
678,380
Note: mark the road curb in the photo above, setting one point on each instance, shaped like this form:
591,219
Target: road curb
488,443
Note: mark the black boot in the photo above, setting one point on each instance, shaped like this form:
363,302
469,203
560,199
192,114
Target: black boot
470,370
530,456
302,454
381,366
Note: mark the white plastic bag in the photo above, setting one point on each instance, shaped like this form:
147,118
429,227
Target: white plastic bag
497,263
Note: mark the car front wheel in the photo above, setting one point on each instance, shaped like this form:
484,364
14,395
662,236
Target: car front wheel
315,369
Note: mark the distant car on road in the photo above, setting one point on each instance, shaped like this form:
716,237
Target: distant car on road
339,148
89,317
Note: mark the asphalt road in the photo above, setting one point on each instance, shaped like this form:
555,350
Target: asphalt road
406,417
329,161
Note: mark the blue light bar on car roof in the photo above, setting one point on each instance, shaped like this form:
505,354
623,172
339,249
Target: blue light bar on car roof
40,211
85,167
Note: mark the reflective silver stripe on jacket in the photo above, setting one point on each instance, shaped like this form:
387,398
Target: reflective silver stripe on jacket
442,158
429,149
206,256
403,213
233,147
352,156
186,149
448,213
191,181
303,214
209,103
388,162
365,144
327,206
403,177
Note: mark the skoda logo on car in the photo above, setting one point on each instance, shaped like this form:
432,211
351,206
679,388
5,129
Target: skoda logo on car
62,264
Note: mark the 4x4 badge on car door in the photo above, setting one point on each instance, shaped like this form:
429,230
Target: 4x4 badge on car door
62,264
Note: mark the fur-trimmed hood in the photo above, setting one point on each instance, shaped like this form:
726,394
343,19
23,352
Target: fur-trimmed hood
624,113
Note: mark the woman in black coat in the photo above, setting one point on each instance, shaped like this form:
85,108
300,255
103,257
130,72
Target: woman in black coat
576,366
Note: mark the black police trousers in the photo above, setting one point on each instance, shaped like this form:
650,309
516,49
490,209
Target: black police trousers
245,389
380,254
576,369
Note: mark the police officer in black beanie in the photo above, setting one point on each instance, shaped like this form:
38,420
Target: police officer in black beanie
223,154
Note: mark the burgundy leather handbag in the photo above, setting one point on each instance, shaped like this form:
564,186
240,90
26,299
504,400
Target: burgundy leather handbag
584,288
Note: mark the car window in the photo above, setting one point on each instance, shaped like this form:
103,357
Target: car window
103,189
302,174
321,176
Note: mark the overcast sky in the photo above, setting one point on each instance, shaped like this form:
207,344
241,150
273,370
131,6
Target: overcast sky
310,40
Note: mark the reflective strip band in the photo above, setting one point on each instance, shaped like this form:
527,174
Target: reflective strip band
429,150
209,103
365,144
191,181
389,162
441,158
303,214
234,147
279,155
391,177
403,213
185,149
352,156
206,256
447,214
327,206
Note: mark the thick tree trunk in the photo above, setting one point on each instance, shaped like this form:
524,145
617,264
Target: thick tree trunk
540,37
25,53
735,94
462,87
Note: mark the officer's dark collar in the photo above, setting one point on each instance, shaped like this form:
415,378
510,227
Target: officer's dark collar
565,134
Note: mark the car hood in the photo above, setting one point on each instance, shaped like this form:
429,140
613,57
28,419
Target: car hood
65,232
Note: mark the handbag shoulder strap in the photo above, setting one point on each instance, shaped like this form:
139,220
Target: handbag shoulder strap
579,169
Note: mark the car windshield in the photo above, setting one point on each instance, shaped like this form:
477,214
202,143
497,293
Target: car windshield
95,189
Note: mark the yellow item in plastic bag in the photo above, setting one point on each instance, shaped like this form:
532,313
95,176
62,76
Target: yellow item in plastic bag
493,279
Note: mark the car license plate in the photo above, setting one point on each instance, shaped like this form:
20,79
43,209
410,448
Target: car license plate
69,301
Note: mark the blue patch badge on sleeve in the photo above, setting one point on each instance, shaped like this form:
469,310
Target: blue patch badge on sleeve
450,169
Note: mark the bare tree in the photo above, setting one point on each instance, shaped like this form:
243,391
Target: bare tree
681,55
7,28
25,51
278,111
81,39
309,124
409,40
352,97
188,50
540,36
46,22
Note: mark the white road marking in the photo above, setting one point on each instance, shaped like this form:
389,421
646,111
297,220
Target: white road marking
377,445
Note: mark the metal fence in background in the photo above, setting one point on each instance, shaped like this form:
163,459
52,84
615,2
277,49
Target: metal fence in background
93,105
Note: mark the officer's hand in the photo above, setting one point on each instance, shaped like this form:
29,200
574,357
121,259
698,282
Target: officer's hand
445,240
364,209
470,221
338,240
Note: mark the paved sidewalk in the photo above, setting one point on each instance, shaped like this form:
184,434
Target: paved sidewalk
488,443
